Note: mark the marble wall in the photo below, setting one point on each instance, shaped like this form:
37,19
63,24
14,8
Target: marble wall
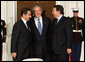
8,13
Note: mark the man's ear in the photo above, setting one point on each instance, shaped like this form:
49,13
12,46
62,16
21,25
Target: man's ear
23,14
59,12
41,11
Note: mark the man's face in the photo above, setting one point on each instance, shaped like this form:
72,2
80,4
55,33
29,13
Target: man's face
55,12
27,16
37,12
75,14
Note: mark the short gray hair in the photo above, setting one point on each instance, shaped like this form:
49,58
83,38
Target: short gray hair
37,6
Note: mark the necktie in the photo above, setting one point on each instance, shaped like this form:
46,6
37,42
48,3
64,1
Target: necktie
56,20
27,25
39,27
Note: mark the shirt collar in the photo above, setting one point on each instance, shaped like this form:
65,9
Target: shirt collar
23,20
37,18
60,17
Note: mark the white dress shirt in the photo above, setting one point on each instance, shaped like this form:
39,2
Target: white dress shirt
36,22
59,18
24,22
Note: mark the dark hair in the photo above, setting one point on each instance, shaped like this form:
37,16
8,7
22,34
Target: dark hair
59,8
24,11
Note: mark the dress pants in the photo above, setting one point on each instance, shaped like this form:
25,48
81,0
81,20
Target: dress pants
76,52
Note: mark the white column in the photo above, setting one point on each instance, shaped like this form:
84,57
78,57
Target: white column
58,2
81,8
11,16
72,4
66,8
3,17
9,9
3,10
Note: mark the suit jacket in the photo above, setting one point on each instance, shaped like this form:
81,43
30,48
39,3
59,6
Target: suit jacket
39,42
20,42
61,35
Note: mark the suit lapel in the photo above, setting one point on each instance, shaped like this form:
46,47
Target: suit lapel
44,24
34,26
61,20
24,24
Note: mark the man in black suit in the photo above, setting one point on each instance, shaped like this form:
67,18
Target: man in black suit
39,29
21,37
61,35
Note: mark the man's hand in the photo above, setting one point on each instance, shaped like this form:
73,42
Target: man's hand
14,54
5,26
4,36
69,50
4,39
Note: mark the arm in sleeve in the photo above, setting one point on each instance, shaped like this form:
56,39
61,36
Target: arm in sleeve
15,37
68,28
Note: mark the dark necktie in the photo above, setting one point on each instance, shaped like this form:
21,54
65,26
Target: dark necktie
28,26
56,20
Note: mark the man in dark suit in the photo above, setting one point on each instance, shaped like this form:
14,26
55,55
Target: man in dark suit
39,29
61,35
21,37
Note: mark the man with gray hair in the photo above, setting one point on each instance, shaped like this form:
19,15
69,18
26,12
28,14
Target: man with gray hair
39,28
